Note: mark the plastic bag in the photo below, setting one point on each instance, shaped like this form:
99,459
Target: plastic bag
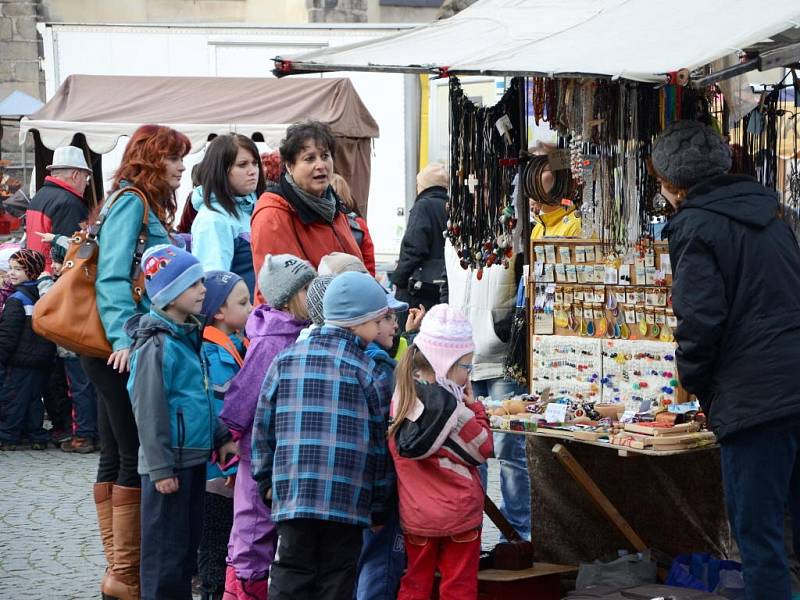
628,570
708,574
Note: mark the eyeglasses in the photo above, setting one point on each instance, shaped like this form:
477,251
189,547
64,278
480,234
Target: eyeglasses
467,367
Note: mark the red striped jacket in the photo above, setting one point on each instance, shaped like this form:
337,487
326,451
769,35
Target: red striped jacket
440,492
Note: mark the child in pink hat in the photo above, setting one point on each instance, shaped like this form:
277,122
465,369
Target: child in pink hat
439,437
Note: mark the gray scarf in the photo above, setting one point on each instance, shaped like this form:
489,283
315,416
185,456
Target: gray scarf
324,207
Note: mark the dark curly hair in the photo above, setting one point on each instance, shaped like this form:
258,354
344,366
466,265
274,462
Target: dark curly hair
299,133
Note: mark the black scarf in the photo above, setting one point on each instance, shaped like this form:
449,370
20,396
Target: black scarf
309,207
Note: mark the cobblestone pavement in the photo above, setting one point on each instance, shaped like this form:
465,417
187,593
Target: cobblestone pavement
49,545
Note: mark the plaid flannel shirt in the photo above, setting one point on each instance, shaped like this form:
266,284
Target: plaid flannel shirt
319,435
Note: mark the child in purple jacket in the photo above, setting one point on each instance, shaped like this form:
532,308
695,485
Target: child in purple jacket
283,281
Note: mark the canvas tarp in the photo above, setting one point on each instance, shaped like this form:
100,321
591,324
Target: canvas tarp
634,39
104,108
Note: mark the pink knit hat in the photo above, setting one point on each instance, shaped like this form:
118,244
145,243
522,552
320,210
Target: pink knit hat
444,336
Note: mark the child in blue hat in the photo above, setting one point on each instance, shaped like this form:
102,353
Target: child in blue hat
226,308
174,409
319,444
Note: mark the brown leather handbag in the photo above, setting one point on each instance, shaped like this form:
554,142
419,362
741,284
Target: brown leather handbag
67,314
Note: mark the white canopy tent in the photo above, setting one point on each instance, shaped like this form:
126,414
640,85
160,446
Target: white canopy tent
634,39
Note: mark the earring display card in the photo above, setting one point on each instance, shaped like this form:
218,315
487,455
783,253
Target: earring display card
639,373
567,367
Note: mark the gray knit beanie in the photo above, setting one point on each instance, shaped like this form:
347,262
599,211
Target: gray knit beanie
316,292
688,152
282,276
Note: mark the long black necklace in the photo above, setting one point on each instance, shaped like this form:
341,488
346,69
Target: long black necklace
483,159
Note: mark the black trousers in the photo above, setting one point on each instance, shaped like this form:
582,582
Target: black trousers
119,439
171,529
56,398
315,560
213,551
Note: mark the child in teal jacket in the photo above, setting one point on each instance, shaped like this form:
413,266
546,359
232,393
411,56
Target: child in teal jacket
226,309
175,417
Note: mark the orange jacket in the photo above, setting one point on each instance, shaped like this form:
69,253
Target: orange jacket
276,228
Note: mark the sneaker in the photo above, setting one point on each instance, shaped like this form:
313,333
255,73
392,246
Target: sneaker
81,446
7,446
39,446
59,436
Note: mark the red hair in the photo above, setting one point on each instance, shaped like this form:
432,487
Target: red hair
271,163
143,166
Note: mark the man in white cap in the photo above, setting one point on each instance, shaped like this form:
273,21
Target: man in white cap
58,207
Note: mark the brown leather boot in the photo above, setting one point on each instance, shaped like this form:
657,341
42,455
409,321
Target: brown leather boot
123,579
102,502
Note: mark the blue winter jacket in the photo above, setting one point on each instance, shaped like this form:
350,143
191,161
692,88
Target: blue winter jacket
221,241
171,396
384,369
117,243
319,435
222,367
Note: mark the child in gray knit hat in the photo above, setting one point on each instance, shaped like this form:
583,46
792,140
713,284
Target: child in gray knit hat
283,280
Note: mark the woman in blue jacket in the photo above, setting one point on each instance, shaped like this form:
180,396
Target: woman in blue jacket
231,180
153,164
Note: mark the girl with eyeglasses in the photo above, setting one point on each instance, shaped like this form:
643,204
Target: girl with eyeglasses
439,436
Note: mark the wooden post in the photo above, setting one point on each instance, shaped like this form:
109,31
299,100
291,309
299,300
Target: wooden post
603,503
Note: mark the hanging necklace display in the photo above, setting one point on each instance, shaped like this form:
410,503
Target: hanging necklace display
483,160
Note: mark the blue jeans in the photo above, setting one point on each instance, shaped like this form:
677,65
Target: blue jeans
761,478
22,406
84,402
509,449
382,561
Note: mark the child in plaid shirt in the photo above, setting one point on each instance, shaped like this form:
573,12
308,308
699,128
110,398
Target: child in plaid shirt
319,445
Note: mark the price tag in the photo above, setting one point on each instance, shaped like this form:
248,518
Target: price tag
572,274
555,413
666,266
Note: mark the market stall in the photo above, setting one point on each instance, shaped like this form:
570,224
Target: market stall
594,341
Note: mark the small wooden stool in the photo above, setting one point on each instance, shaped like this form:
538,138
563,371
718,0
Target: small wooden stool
540,582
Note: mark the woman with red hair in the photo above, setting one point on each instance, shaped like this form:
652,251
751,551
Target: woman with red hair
153,165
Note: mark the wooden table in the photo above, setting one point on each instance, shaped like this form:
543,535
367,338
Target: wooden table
621,450
583,479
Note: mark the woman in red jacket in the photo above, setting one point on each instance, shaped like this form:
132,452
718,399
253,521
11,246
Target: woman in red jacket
439,437
302,215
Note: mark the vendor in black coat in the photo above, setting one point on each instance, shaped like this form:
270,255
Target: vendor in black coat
736,293
420,267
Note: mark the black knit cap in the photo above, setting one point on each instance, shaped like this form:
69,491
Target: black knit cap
688,152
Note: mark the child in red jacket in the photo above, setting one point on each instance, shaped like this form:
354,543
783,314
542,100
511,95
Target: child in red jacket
439,436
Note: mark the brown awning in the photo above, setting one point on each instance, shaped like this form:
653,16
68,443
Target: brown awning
105,108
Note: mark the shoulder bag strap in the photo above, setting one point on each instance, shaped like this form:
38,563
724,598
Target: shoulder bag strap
141,241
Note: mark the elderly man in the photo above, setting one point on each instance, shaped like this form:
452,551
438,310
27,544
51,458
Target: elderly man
58,206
